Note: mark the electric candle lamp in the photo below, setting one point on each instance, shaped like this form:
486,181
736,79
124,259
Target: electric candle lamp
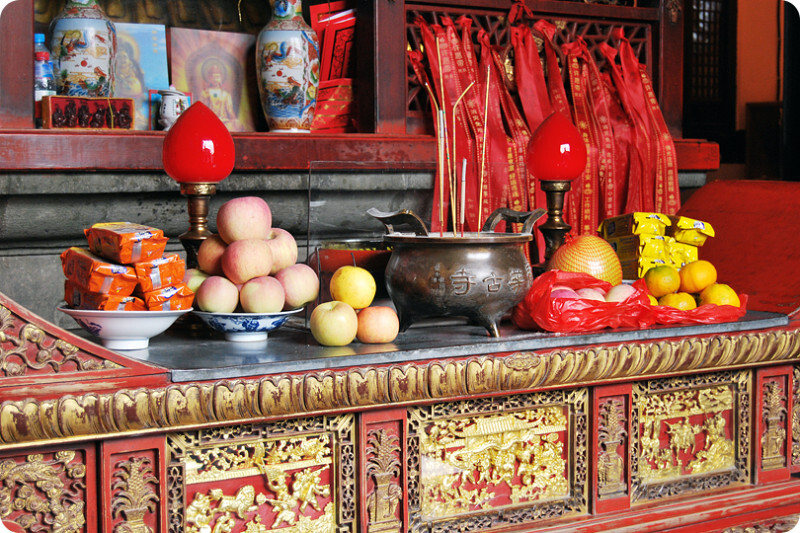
198,153
556,156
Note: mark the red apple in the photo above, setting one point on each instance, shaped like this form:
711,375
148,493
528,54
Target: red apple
334,323
246,259
377,324
263,294
300,283
217,295
209,255
284,249
246,217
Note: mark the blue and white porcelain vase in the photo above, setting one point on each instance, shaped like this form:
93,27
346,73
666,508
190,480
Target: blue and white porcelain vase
83,48
287,67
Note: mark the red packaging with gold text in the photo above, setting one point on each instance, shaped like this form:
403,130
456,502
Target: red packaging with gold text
167,270
79,298
95,274
126,242
170,298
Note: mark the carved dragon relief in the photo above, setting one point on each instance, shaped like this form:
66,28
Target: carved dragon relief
45,492
191,404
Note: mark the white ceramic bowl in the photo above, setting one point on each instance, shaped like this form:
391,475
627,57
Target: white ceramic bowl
245,327
124,330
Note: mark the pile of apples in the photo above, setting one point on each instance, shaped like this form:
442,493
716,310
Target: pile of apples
249,265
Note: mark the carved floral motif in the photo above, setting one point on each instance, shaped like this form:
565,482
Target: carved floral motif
26,349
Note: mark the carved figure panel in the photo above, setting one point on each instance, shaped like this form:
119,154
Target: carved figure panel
480,464
296,476
612,448
774,416
47,491
691,434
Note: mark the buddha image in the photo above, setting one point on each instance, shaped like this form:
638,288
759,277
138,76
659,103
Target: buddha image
129,77
216,95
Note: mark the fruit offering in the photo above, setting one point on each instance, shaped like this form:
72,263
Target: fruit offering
589,254
249,265
694,284
350,315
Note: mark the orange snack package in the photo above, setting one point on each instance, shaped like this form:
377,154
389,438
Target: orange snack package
126,242
169,298
79,298
95,274
157,273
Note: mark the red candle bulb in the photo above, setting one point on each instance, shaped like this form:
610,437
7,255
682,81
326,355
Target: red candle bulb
198,148
556,151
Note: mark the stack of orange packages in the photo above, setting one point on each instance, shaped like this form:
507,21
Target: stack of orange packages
124,269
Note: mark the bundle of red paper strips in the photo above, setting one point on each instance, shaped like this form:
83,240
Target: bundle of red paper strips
483,127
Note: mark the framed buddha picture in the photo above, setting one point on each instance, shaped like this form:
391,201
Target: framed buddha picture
218,68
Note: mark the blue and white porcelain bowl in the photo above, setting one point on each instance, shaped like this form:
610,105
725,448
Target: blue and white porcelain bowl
124,330
245,327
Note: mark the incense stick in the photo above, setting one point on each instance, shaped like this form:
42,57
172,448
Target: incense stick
463,192
444,149
483,148
453,183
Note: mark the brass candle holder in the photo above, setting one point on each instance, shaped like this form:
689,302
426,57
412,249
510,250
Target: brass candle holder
556,156
198,197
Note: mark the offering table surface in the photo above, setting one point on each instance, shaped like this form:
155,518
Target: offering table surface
591,423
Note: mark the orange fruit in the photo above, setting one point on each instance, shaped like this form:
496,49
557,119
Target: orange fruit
653,299
697,275
679,300
661,280
719,294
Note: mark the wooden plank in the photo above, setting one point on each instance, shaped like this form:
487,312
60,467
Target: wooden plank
16,74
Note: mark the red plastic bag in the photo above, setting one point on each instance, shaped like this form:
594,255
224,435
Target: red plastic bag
563,315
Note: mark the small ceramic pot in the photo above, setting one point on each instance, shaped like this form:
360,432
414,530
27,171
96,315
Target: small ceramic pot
173,103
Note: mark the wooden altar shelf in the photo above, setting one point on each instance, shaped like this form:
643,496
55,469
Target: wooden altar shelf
32,151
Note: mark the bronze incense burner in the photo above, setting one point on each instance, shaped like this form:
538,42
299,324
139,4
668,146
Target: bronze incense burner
476,275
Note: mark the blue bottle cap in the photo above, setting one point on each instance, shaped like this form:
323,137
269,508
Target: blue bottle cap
38,37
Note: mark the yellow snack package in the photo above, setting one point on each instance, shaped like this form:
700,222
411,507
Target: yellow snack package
637,223
95,274
642,245
690,231
681,253
126,242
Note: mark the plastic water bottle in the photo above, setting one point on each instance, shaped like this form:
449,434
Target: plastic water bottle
44,83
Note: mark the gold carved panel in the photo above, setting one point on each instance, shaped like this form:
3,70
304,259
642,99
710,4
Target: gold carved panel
479,464
690,434
47,491
295,476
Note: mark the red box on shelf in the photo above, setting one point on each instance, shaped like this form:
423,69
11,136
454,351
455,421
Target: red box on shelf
85,113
